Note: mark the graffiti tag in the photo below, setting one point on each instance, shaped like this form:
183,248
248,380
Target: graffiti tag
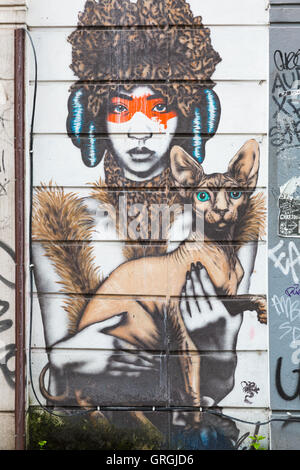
279,386
293,290
7,351
285,134
286,60
290,309
286,261
250,389
3,181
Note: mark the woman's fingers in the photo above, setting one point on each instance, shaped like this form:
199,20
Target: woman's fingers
141,359
193,289
119,373
123,366
110,322
202,287
189,290
131,365
196,281
184,305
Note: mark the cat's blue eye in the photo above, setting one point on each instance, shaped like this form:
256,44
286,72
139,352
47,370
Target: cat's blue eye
235,194
203,196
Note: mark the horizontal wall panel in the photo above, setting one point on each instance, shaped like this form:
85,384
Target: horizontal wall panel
58,162
251,367
59,322
112,255
159,215
237,46
13,16
157,388
252,12
243,326
283,2
252,334
243,106
14,2
58,14
111,387
285,14
257,285
285,431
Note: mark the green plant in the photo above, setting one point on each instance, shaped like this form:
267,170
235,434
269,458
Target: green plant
256,442
42,444
79,432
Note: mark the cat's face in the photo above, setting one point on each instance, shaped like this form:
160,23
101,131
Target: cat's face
220,198
219,201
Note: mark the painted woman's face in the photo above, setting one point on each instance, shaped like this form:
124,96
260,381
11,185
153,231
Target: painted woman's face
141,128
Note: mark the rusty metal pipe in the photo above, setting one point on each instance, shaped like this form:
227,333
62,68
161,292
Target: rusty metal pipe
19,138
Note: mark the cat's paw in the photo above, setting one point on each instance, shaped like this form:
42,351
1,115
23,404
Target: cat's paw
261,308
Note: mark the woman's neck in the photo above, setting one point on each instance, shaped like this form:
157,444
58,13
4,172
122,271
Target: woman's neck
142,177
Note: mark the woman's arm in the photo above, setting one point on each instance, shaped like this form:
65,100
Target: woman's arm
54,317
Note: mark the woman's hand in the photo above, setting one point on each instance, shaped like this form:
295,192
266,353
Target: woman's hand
213,329
92,352
203,311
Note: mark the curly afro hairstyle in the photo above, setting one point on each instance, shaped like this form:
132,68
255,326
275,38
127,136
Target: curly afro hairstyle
159,41
166,52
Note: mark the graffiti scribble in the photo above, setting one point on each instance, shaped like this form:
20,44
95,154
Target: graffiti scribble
250,389
292,290
286,261
7,352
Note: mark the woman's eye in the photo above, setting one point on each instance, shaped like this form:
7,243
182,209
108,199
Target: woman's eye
235,194
203,196
160,108
119,108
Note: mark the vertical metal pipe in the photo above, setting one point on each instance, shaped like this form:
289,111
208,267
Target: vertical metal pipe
19,129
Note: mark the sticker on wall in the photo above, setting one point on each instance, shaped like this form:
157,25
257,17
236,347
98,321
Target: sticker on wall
289,208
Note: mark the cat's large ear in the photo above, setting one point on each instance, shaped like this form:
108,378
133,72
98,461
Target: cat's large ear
186,171
244,165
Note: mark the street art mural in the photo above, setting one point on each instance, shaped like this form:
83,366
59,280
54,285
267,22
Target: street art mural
155,319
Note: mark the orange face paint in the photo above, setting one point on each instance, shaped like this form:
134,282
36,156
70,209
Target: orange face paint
123,109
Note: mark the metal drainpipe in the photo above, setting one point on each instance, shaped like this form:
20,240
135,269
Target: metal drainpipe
19,128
